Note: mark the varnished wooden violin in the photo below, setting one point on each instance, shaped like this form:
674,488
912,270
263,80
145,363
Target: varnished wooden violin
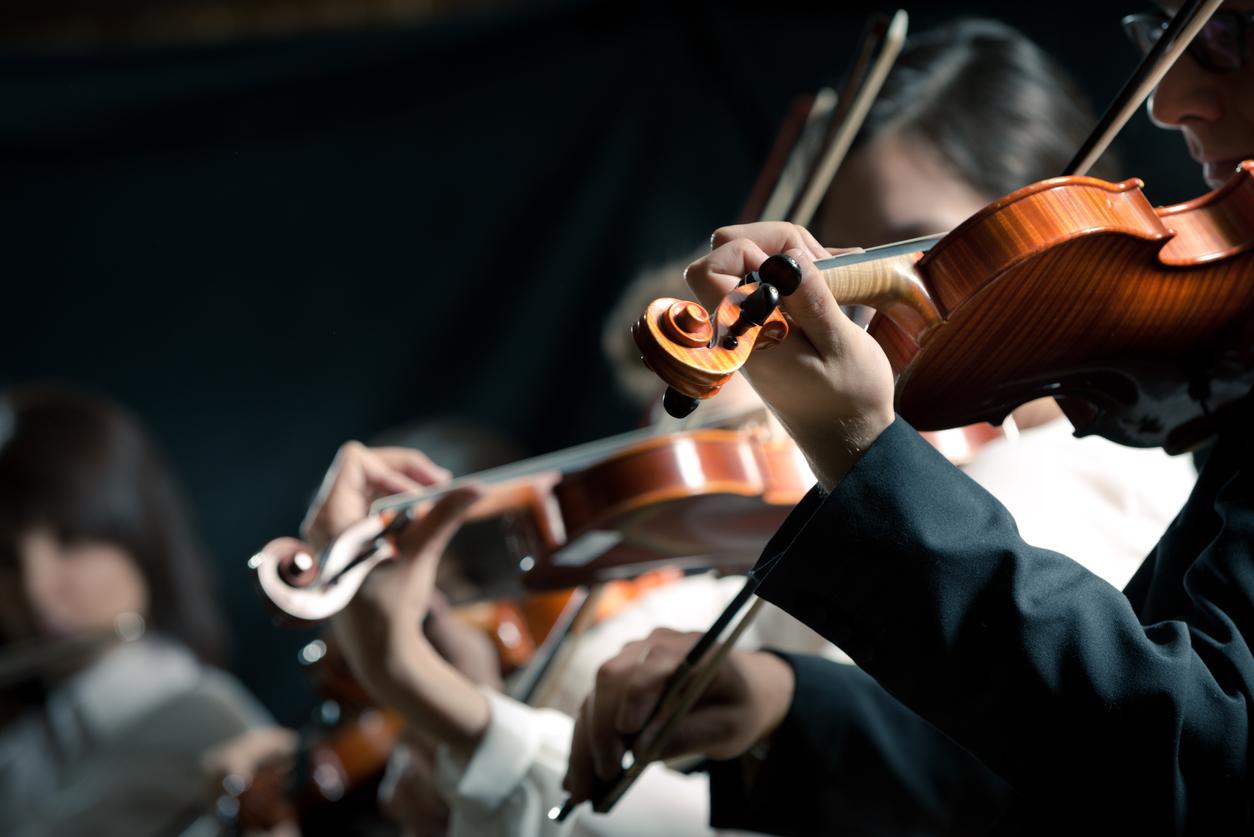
607,510
1135,317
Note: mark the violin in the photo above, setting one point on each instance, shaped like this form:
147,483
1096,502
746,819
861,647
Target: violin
1073,287
602,511
342,752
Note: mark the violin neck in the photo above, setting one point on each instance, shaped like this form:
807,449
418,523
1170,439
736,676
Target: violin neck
886,279
557,462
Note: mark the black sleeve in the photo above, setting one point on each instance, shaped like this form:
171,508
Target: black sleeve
850,759
1033,664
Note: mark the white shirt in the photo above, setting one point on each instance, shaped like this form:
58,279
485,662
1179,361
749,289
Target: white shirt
1100,503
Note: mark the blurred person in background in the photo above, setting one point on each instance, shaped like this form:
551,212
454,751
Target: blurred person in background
110,698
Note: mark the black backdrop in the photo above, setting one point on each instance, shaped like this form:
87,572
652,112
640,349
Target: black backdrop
269,247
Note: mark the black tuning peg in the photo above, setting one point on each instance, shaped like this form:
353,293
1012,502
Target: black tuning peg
781,271
677,404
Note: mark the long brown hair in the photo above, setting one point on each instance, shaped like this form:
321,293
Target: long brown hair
85,469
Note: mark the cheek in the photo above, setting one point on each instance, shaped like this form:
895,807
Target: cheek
853,222
1239,103
1245,106
110,584
93,586
50,594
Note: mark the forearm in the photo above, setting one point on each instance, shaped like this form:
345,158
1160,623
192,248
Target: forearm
851,759
436,700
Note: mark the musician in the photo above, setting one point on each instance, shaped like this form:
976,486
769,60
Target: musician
1113,712
97,556
499,766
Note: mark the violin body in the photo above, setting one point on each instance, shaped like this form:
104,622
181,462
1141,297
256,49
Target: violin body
704,498
1137,319
693,499
1116,306
347,744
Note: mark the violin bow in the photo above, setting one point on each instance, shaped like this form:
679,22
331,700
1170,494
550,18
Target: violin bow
800,152
1184,26
867,78
538,678
790,157
701,664
1180,32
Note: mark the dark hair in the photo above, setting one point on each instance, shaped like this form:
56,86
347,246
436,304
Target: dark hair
84,468
993,105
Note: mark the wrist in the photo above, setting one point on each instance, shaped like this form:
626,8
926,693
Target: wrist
777,683
836,456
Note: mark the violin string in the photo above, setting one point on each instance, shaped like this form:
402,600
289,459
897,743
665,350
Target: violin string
913,245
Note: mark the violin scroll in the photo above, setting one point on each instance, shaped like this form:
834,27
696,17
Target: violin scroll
305,588
696,354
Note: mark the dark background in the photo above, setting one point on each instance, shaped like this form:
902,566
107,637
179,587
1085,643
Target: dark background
269,246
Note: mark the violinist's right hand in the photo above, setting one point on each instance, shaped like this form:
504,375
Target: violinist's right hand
747,700
829,383
380,630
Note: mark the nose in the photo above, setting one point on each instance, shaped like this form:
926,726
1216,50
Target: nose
1186,94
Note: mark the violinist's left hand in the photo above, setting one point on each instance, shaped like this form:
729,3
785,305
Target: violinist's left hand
830,383
380,630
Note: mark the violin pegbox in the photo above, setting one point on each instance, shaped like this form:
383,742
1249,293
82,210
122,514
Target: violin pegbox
696,354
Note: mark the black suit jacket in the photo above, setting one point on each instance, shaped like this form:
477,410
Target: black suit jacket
1122,711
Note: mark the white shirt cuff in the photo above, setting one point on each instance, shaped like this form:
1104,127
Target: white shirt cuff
505,753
